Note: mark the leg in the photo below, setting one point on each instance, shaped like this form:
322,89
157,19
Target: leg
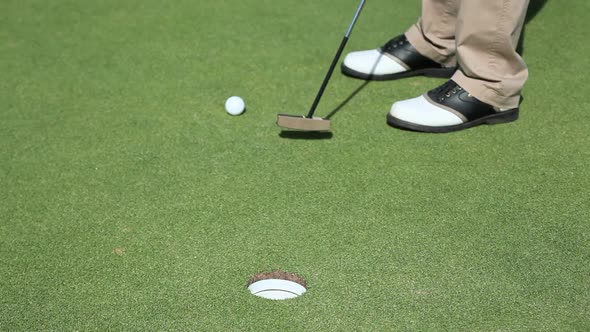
486,89
434,34
487,37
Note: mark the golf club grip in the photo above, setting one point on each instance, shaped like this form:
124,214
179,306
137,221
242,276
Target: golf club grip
327,78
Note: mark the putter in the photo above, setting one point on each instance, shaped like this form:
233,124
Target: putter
310,122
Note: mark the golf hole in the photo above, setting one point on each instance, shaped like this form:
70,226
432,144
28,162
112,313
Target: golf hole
277,285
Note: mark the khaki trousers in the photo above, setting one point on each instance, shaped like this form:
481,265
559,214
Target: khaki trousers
480,36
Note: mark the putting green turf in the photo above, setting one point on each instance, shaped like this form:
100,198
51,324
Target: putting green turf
131,201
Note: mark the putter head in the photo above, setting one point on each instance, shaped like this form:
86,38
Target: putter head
300,122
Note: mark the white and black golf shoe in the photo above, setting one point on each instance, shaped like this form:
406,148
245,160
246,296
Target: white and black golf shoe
396,59
444,109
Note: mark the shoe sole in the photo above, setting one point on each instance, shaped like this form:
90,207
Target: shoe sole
498,118
428,72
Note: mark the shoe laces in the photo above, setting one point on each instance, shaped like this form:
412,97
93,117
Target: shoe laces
447,90
395,43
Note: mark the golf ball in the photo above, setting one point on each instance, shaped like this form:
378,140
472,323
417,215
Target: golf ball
235,105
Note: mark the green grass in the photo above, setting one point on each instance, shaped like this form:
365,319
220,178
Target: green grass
130,201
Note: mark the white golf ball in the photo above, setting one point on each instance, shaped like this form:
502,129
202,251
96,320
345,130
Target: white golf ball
235,105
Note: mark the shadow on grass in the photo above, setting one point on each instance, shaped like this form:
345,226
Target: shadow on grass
347,100
535,7
308,135
314,135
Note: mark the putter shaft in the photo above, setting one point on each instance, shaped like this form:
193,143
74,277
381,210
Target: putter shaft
318,97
